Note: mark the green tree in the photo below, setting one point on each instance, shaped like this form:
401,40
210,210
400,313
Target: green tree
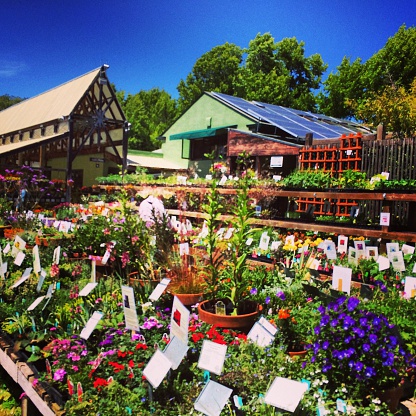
394,63
150,113
351,90
395,107
215,70
7,100
280,73
342,89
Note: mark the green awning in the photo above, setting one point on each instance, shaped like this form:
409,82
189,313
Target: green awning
197,134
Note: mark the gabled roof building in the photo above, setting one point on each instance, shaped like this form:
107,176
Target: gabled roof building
228,125
74,131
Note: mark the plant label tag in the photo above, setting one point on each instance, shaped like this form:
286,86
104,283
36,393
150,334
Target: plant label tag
228,234
91,324
371,252
260,335
6,249
341,279
385,219
212,399
36,260
87,289
175,351
285,393
25,276
41,280
159,289
212,357
183,249
20,256
341,406
264,241
342,244
223,180
129,306
105,257
220,308
179,321
157,368
397,262
35,303
3,270
406,249
383,263
410,287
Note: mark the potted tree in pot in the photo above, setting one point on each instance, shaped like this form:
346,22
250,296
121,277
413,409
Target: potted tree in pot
229,275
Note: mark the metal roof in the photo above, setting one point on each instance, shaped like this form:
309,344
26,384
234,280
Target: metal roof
295,123
152,162
50,105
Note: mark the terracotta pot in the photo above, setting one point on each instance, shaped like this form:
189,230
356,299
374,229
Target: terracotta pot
391,397
243,321
299,355
189,299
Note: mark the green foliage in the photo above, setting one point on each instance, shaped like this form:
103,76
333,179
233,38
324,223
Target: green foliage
150,114
7,100
215,70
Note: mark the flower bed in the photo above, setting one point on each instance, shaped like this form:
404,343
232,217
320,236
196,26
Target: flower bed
106,369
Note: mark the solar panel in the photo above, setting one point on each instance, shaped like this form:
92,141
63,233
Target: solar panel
295,122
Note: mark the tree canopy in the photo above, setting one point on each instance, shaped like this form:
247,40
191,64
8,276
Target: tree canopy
379,90
215,70
150,114
8,100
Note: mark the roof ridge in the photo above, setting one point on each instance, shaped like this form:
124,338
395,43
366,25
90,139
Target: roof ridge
25,100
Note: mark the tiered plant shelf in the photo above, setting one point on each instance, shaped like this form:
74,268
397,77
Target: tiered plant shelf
386,198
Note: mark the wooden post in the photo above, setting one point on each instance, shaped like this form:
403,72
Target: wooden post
69,159
308,139
24,405
381,132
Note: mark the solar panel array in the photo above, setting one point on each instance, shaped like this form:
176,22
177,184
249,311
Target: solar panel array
296,123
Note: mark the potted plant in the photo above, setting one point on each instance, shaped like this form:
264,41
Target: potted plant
187,278
354,346
229,273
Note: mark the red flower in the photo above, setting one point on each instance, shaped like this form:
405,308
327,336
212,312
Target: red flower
100,382
141,346
131,363
117,367
197,337
121,354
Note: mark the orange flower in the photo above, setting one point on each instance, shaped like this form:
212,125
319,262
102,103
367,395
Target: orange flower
284,313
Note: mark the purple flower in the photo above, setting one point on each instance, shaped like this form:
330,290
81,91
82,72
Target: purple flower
281,295
59,374
253,291
267,300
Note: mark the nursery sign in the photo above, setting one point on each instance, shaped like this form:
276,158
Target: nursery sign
157,368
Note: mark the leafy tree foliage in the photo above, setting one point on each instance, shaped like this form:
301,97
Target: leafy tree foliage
277,73
215,70
395,107
381,90
8,100
342,89
150,114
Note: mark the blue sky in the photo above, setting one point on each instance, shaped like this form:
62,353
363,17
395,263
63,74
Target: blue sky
150,43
